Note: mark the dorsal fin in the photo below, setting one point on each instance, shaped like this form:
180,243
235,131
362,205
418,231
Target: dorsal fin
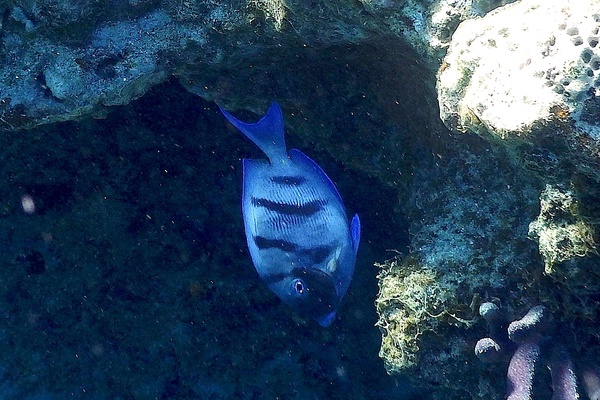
267,133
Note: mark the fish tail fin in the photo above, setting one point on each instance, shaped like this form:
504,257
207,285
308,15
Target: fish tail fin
267,133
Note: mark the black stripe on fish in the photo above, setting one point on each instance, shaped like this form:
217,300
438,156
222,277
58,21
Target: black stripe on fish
306,209
283,245
288,180
317,254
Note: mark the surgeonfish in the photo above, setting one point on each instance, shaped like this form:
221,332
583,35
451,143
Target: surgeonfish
299,238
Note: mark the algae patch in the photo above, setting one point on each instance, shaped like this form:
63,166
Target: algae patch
412,301
560,230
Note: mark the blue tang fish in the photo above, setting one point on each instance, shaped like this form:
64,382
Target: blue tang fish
300,241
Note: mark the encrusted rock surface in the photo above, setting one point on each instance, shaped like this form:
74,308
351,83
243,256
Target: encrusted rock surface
524,78
529,73
67,60
468,239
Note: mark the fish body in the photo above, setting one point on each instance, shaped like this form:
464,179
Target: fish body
299,237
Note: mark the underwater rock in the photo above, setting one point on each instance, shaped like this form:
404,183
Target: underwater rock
469,237
67,60
524,78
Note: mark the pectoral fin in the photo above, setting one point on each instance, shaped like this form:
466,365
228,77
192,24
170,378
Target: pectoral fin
355,232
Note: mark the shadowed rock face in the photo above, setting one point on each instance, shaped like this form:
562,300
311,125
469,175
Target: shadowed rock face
63,60
67,60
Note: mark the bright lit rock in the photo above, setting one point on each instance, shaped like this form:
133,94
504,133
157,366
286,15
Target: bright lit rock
523,64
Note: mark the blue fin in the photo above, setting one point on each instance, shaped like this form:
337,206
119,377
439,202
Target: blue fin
326,320
355,232
267,133
307,162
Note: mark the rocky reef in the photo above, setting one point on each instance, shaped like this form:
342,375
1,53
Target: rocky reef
524,79
465,134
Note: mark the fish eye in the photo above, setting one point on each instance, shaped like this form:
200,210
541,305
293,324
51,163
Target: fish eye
298,285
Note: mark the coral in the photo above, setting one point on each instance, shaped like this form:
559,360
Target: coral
521,371
523,78
560,230
537,342
527,76
534,322
591,382
446,16
487,350
531,56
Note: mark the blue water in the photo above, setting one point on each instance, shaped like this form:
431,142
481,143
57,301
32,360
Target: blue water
130,278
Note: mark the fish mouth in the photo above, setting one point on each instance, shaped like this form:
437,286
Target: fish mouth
310,273
322,297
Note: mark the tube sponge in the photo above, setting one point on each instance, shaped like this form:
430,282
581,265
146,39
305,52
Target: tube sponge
532,324
521,371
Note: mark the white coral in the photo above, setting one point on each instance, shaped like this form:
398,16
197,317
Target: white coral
520,62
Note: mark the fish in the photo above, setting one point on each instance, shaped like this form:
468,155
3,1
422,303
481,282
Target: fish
299,237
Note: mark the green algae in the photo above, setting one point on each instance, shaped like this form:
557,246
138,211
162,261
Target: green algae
413,300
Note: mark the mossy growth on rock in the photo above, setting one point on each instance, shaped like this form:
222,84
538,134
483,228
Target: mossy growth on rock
560,230
413,300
